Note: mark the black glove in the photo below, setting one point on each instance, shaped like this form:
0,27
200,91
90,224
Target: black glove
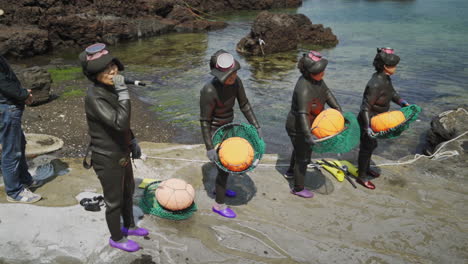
135,148
212,155
120,87
310,140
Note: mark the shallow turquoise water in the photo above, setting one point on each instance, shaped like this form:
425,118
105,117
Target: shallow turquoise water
430,37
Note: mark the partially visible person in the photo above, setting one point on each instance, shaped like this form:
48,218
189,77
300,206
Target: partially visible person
16,177
108,109
309,98
217,99
376,99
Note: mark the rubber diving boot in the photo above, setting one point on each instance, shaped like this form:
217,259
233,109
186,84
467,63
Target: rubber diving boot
304,193
126,245
226,212
368,184
138,231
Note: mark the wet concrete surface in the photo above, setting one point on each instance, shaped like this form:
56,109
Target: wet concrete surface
417,214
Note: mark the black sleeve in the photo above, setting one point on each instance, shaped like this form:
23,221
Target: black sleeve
244,105
207,106
396,98
11,88
370,96
115,118
303,97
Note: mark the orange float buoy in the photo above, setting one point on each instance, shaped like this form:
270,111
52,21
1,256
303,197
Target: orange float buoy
175,194
236,154
328,123
387,120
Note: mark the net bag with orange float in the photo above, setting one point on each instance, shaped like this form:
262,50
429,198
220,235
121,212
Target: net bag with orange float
335,132
239,147
170,199
391,124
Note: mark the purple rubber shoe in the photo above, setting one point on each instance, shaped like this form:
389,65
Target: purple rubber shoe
228,212
304,193
229,193
129,246
134,232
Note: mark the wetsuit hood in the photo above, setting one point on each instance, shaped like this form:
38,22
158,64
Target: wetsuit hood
385,56
312,63
223,64
94,63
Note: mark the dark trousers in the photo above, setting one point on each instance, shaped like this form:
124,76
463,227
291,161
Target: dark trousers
366,147
116,175
221,179
14,165
300,158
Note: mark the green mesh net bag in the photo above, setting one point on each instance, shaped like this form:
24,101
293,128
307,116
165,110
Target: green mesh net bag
342,142
149,204
411,113
245,131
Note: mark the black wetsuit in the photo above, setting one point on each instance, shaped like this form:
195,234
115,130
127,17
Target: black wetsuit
217,109
308,101
109,129
376,99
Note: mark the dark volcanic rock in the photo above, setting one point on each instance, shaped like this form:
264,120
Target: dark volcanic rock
446,126
313,33
282,32
22,41
39,81
31,27
215,6
191,21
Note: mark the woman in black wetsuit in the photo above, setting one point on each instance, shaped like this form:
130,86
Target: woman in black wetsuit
217,99
376,99
309,99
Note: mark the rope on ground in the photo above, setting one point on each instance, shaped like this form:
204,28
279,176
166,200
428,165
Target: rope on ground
435,156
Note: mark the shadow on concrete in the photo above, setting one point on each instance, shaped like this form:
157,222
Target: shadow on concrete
242,184
314,178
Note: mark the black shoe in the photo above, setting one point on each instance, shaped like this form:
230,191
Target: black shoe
93,205
289,174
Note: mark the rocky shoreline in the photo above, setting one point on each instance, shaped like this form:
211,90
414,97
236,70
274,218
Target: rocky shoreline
36,27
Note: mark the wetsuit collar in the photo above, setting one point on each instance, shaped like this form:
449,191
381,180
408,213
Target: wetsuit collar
109,88
315,82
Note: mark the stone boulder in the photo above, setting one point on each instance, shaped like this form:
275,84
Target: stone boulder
39,81
446,126
282,32
215,6
23,41
315,34
189,21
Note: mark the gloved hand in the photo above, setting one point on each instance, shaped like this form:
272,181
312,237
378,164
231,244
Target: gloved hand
310,140
212,155
403,103
260,133
120,87
370,132
135,148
